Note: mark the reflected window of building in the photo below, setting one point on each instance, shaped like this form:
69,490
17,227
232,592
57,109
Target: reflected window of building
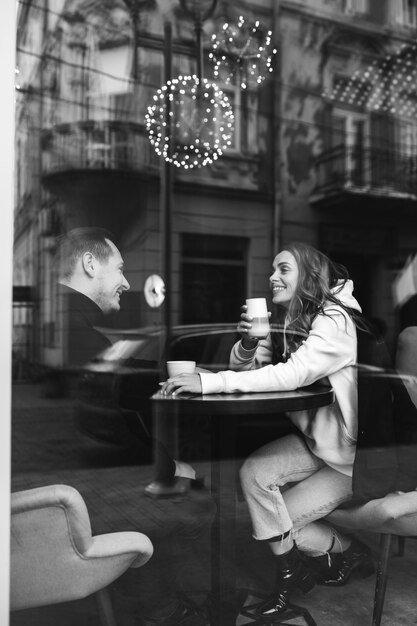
407,132
350,136
233,94
356,6
408,138
407,13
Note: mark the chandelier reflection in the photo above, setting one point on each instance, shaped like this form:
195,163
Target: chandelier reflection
242,53
191,122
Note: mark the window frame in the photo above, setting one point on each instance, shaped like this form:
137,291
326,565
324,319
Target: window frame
351,117
357,7
407,13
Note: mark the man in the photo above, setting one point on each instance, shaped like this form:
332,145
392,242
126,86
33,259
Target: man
92,283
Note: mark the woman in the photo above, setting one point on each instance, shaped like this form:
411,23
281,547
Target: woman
291,483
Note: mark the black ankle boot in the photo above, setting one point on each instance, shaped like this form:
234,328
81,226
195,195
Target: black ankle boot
336,570
291,574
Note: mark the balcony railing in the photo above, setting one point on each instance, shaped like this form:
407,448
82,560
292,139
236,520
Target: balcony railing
93,145
367,170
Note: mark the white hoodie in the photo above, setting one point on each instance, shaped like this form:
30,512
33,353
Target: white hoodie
329,352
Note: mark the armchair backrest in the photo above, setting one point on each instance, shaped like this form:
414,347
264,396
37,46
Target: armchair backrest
406,359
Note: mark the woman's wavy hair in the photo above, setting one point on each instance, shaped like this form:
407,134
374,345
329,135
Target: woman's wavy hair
319,282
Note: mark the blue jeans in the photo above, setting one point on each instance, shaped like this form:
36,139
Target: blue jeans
288,488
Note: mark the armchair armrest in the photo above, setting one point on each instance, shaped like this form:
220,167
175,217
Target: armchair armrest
394,513
121,544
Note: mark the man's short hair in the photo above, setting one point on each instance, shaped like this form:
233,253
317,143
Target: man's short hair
73,244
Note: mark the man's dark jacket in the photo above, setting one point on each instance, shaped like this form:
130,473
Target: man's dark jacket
81,317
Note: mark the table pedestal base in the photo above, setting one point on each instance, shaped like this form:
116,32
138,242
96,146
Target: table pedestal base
293,611
234,606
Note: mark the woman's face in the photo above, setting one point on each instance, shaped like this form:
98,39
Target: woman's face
284,280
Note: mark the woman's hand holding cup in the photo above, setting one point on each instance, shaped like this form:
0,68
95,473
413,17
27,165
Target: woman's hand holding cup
254,322
243,328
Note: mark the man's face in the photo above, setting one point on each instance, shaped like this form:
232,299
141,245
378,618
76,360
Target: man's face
110,281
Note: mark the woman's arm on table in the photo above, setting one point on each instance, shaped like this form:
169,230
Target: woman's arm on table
329,347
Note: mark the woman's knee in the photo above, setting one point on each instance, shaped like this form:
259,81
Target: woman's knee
270,464
249,473
258,471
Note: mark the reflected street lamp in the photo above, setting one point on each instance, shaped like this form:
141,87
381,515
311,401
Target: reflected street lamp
199,11
135,7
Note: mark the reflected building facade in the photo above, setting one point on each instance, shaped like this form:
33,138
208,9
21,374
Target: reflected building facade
348,180
302,165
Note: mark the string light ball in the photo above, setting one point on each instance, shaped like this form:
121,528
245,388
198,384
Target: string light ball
242,52
191,122
387,85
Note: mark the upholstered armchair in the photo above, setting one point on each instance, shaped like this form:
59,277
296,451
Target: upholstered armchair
55,557
395,514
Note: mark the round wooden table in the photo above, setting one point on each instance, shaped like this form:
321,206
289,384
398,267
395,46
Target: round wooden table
224,410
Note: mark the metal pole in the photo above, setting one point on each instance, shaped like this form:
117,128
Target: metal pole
276,111
134,11
200,57
196,12
39,277
167,187
166,430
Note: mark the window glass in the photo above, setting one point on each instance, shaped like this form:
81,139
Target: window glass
410,13
356,6
212,265
124,258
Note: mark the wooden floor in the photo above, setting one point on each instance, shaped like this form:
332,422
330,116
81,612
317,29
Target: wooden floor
46,450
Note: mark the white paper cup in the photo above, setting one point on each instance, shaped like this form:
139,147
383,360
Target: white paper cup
180,367
258,310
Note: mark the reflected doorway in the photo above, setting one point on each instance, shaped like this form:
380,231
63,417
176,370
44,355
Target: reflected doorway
213,277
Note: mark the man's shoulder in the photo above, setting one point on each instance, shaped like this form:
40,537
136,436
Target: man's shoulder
76,301
66,290
81,316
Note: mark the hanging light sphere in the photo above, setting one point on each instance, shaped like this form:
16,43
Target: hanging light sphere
190,122
242,52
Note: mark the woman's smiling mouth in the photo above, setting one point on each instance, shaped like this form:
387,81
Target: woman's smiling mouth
278,288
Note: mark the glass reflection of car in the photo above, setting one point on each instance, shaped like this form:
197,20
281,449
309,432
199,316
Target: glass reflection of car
115,387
